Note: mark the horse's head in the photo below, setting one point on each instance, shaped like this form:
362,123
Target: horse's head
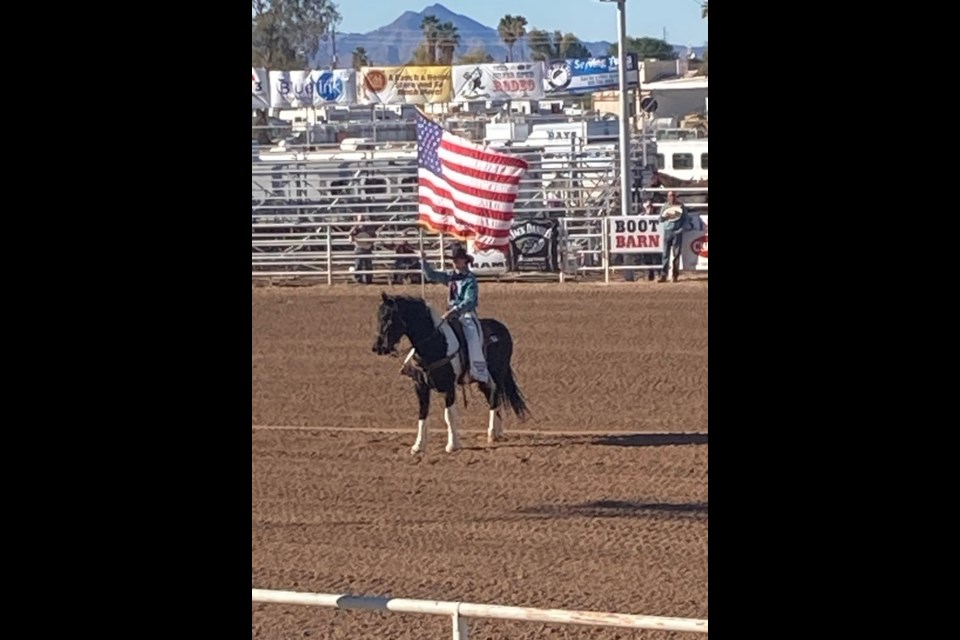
390,326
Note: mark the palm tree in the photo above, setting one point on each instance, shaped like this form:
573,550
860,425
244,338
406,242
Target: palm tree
447,42
360,58
703,9
429,25
511,29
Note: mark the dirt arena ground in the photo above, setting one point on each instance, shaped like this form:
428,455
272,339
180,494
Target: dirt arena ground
548,518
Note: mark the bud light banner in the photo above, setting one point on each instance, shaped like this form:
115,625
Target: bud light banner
534,246
585,75
298,89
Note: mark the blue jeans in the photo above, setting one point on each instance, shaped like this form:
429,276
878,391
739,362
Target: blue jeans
671,242
364,264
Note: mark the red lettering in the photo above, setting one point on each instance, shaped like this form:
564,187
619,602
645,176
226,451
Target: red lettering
699,246
638,241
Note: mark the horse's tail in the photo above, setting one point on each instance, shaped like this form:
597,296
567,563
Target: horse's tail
510,393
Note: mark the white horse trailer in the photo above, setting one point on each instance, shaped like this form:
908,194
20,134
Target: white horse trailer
684,159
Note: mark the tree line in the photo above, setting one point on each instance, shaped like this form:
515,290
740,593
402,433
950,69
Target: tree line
287,34
440,41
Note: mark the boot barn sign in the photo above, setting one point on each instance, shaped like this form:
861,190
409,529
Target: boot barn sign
642,234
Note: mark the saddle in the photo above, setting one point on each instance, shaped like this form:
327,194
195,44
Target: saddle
463,351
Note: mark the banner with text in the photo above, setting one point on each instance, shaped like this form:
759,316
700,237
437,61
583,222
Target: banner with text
491,262
297,89
694,253
635,234
585,75
404,85
534,245
261,86
492,81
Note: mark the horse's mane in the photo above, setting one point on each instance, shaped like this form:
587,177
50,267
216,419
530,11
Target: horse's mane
415,304
410,300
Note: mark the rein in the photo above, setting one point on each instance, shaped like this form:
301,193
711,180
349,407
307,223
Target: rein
426,368
420,370
439,363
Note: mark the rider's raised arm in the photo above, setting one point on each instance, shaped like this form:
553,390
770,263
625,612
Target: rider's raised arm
431,274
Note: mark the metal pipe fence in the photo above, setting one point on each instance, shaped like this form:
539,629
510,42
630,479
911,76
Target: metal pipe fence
306,203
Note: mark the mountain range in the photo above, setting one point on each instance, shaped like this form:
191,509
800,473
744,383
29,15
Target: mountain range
394,43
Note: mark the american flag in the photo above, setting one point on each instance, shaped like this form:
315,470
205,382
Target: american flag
465,189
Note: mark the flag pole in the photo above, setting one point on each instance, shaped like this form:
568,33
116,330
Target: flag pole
423,256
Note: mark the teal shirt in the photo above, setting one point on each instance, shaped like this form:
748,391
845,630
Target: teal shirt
462,294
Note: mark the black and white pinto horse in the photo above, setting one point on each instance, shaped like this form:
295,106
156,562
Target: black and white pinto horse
439,362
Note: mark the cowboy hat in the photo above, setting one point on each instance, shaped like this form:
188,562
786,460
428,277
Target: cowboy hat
461,253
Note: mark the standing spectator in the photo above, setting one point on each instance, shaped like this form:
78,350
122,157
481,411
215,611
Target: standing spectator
411,264
362,238
650,259
673,215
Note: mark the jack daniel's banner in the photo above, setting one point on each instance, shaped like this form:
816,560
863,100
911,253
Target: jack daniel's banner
534,245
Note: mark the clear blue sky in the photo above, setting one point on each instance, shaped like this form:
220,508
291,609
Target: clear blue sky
590,20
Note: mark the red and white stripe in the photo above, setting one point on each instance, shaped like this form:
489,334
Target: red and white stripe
476,194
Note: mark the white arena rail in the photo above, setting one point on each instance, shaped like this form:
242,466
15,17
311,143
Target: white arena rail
460,611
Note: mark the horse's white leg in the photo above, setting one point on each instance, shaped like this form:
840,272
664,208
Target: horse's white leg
453,433
423,397
421,444
495,423
495,428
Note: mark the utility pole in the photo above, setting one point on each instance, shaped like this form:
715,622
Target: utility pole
333,41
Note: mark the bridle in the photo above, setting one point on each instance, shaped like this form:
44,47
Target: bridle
404,326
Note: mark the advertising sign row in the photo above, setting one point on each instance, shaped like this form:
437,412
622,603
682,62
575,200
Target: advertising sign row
642,234
534,247
534,244
437,84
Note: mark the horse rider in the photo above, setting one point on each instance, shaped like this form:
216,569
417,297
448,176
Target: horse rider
462,302
673,217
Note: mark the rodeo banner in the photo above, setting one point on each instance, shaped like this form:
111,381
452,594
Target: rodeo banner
508,81
584,75
404,85
491,262
534,245
297,89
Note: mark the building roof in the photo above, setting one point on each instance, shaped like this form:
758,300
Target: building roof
699,82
